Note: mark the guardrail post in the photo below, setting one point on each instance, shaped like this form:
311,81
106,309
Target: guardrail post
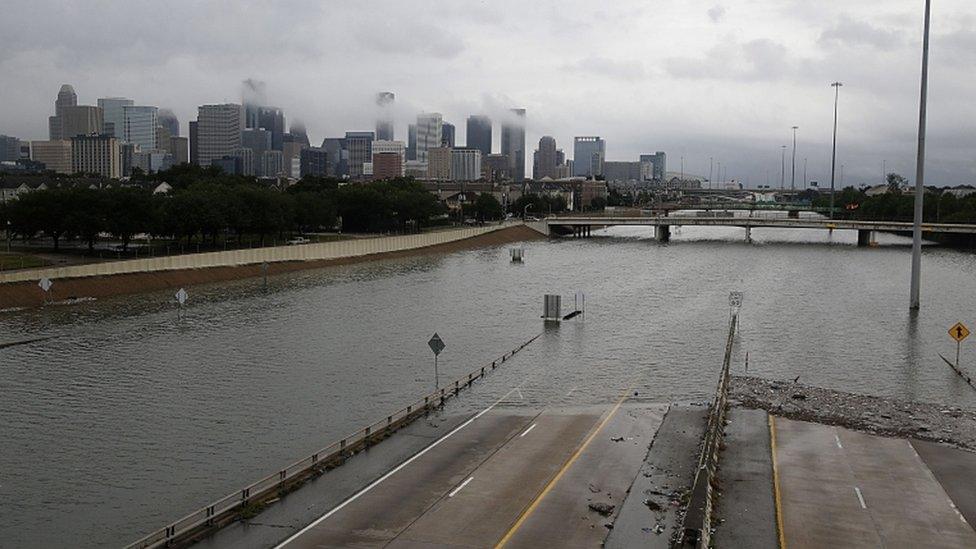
409,409
342,447
210,515
245,495
456,390
492,364
482,371
281,476
315,457
366,437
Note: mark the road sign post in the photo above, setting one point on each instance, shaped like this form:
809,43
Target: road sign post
437,345
959,332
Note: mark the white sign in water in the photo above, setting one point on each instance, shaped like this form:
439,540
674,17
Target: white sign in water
181,296
45,284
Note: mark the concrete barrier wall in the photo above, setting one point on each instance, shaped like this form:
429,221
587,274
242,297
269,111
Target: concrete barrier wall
304,252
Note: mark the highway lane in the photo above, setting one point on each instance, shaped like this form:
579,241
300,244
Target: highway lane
522,476
840,488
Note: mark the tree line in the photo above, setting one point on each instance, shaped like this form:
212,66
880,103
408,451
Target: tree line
206,206
938,205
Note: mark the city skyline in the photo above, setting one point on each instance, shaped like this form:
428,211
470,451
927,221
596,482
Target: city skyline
718,81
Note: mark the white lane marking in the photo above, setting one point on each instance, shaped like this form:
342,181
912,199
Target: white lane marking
376,482
458,489
571,391
521,396
860,497
527,430
935,479
837,438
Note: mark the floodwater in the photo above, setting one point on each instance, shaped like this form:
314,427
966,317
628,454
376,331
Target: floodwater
133,415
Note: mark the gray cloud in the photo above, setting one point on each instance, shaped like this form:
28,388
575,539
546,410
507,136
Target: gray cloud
716,13
602,66
847,32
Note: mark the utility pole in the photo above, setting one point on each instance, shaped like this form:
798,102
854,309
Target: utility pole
793,169
884,171
805,181
710,166
833,154
916,281
782,168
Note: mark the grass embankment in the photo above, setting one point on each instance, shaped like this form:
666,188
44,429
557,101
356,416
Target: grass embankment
14,260
27,294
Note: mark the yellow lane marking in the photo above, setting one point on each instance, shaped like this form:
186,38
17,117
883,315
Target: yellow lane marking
776,496
535,503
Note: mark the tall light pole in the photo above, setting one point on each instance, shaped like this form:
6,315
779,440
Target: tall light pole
920,170
782,168
833,154
710,166
805,182
793,169
719,173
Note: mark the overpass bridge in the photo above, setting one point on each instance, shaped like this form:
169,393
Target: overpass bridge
581,226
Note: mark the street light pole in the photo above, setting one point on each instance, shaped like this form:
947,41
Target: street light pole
833,154
710,166
915,300
782,168
793,169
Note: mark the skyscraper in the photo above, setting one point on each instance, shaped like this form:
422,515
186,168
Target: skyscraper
479,134
429,127
66,98
359,146
588,155
97,154
258,141
218,131
384,118
139,123
314,162
168,120
513,143
194,143
273,120
113,120
388,159
80,120
54,154
465,164
335,148
298,133
412,142
447,135
439,163
545,161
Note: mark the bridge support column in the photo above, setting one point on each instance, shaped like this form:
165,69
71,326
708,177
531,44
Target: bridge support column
662,233
749,235
863,238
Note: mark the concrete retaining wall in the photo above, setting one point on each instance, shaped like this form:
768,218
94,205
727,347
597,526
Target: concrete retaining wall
304,252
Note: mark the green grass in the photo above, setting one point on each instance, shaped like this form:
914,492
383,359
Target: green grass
15,260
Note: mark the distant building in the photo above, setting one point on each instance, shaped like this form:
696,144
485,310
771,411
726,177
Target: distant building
416,169
412,142
297,133
140,123
447,135
384,119
273,120
588,155
194,143
335,148
479,134
495,167
113,119
359,146
272,164
127,156
513,143
465,164
246,163
621,171
9,149
218,131
152,161
291,150
168,120
178,147
429,126
389,159
439,164
81,120
653,166
98,154
230,165
545,159
55,155
66,98
314,162
256,139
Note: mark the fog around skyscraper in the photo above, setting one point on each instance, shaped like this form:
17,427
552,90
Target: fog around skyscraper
700,78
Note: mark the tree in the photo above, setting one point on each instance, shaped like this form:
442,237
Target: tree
487,207
129,212
87,218
598,203
895,182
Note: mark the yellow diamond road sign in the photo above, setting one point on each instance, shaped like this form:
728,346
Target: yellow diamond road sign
959,332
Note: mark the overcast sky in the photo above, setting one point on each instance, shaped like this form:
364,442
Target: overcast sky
695,79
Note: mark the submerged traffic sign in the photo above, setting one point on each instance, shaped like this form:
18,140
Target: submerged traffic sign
959,332
45,284
436,344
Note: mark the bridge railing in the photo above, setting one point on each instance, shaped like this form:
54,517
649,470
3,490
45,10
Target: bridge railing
252,497
697,522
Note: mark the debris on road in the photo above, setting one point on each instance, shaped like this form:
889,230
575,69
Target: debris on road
602,508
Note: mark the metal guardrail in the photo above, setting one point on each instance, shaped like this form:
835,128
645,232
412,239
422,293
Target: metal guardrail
252,496
697,524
